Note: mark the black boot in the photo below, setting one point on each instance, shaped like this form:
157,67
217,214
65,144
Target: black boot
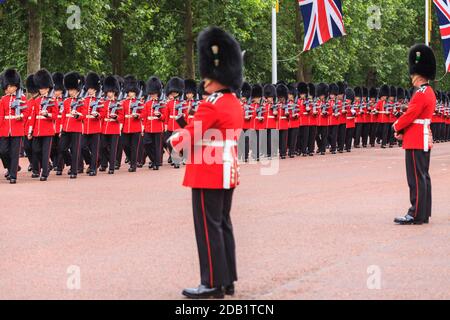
203,292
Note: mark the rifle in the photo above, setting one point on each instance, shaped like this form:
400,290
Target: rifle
96,104
160,104
179,108
18,104
324,109
260,110
137,105
45,104
336,108
315,102
114,106
248,112
61,103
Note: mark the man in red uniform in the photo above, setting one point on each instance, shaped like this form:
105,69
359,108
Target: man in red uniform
414,129
373,120
72,124
305,108
112,124
351,113
382,107
335,110
13,116
324,112
220,60
283,118
260,114
341,110
58,80
33,93
154,116
271,108
294,119
249,120
41,127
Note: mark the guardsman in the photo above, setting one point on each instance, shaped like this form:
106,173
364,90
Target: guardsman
334,117
92,123
58,80
282,118
190,98
414,129
249,120
343,116
72,124
324,112
220,60
359,117
365,117
351,113
13,116
271,108
392,118
384,114
41,127
294,119
33,93
447,119
112,123
132,127
305,109
175,110
313,114
154,116
373,111
260,115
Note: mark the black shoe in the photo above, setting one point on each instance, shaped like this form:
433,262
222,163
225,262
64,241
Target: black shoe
59,173
406,220
43,179
30,168
73,176
111,172
12,181
132,170
348,150
333,152
127,160
170,160
176,166
35,175
283,157
117,167
155,168
139,165
372,145
311,154
291,156
357,147
19,168
304,155
203,292
102,169
229,290
365,146
92,174
383,147
322,153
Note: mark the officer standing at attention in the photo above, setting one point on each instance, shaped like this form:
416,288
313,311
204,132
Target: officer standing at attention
221,64
414,129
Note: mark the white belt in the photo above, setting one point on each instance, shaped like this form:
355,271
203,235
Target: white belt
283,117
10,117
271,117
110,120
59,117
128,116
217,143
173,117
69,115
89,116
426,132
152,118
41,117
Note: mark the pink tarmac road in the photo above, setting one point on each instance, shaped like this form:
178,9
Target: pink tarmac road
322,228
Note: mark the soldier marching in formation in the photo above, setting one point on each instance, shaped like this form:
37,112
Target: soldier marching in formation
69,120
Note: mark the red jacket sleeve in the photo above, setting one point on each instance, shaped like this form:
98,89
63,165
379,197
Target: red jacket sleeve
415,108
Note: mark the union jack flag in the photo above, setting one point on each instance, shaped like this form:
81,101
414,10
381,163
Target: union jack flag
443,13
323,20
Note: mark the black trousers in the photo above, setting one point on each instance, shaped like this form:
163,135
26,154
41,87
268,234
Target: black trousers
385,135
349,133
69,141
141,153
293,136
333,134
153,147
303,139
322,138
214,235
119,154
10,153
131,142
283,142
28,148
341,136
312,139
358,134
373,128
365,134
255,148
269,143
419,182
42,147
90,145
108,150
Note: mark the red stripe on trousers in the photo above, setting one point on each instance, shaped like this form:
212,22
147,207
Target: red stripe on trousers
417,184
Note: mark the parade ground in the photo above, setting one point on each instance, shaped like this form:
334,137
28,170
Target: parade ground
321,228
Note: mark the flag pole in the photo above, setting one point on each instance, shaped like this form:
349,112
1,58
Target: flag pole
274,46
427,20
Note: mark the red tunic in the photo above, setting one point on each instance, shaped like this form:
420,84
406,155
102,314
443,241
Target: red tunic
351,114
70,123
213,161
9,125
39,125
58,122
294,114
336,108
112,124
132,118
315,113
93,124
270,119
249,115
323,119
416,121
151,122
282,117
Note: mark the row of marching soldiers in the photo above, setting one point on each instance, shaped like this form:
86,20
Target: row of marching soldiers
71,120
308,118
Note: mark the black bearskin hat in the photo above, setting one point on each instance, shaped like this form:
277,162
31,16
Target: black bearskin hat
365,92
43,79
201,89
384,91
220,57
131,84
302,88
154,85
92,81
32,88
358,92
312,90
373,93
111,84
322,89
246,90
282,91
400,93
10,78
349,94
342,86
334,89
392,91
73,81
190,86
58,80
270,91
422,61
257,91
175,85
292,87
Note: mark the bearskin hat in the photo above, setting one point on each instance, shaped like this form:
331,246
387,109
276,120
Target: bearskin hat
10,78
422,61
43,79
384,91
349,94
175,84
358,92
58,80
322,89
302,88
342,86
333,88
92,81
131,84
190,86
121,81
312,90
154,85
392,91
201,89
270,91
373,93
32,88
282,91
111,84
400,93
292,87
246,90
220,57
365,92
257,91
73,81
